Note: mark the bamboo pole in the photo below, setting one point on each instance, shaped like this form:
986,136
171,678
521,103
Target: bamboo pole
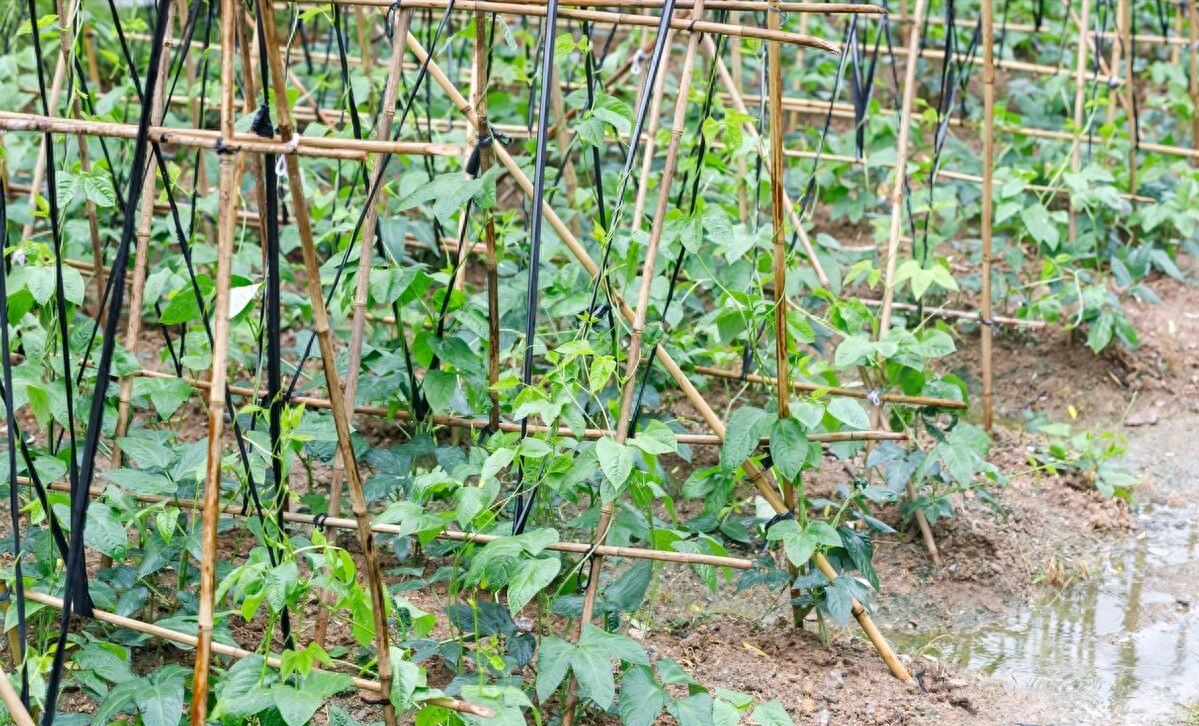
1130,90
752,131
633,361
760,480
362,283
133,319
14,637
589,434
782,360
634,553
1029,28
944,312
745,5
12,702
635,20
1080,85
66,45
833,390
322,147
650,138
891,253
988,44
39,166
489,238
324,340
1193,61
227,203
230,651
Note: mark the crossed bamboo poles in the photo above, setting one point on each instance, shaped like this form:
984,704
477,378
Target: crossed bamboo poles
229,161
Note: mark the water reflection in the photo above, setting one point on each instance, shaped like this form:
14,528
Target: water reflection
1125,640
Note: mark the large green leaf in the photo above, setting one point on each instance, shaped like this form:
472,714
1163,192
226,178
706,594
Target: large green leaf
160,702
295,706
641,700
530,580
553,661
745,428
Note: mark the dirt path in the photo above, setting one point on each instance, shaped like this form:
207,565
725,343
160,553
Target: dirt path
1067,608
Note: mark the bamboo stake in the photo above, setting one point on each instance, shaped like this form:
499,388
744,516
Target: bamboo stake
271,660
760,480
133,322
493,280
12,702
227,203
324,340
634,553
988,43
752,131
39,166
14,637
633,362
893,237
362,283
1080,86
1130,90
650,137
1193,57
742,185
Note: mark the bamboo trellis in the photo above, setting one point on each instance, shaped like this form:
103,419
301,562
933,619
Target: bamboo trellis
685,20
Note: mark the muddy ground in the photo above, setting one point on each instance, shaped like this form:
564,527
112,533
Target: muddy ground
1054,558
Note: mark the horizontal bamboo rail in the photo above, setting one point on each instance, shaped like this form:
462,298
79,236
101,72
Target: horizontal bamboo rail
633,553
301,145
590,434
834,390
944,312
272,660
745,5
618,19
1029,28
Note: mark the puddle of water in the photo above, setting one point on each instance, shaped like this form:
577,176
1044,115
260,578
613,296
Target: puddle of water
1124,641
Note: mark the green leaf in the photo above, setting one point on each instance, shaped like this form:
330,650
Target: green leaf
295,706
105,531
788,447
771,713
440,388
641,700
40,282
849,412
592,667
745,428
693,710
656,439
182,308
530,580
553,661
160,701
1040,225
616,461
823,533
839,597
854,350
613,645
141,482
798,545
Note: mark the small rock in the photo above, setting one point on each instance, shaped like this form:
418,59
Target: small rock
823,718
1144,417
